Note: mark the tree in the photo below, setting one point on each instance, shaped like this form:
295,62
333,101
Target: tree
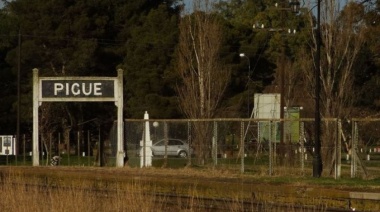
239,37
203,77
62,38
150,35
367,74
342,38
8,75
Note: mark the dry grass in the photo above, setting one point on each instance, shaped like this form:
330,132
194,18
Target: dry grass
81,189
74,196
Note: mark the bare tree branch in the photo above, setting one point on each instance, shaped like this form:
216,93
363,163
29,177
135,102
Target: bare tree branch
203,77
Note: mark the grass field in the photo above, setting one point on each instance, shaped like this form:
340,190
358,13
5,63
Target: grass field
77,188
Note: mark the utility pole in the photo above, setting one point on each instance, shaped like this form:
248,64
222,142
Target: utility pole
17,143
282,79
248,81
317,160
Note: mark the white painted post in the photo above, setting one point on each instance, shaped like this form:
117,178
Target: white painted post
145,150
120,130
36,104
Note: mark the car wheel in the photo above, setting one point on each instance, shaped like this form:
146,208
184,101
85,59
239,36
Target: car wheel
182,154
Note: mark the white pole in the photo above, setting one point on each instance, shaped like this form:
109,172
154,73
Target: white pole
36,159
120,130
145,144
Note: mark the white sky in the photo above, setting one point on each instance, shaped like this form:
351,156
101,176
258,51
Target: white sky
189,4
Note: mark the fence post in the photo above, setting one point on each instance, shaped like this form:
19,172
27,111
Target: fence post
23,141
338,152
59,144
270,148
78,147
50,154
215,144
166,137
353,149
274,135
302,152
88,147
242,145
189,142
42,151
68,146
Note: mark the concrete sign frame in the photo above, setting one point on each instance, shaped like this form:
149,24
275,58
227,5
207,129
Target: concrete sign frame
78,89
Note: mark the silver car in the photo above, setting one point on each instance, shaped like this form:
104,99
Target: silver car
175,147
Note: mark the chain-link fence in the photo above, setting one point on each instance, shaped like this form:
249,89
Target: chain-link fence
349,148
69,148
264,147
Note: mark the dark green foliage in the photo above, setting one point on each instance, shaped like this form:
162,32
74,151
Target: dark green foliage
88,38
95,37
367,74
148,53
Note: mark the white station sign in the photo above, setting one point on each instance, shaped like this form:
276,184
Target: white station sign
78,89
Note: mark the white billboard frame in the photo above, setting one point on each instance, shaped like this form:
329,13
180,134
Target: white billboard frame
268,106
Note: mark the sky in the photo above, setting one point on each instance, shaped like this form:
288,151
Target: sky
188,4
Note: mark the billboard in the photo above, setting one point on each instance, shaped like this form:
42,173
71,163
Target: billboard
292,125
268,106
